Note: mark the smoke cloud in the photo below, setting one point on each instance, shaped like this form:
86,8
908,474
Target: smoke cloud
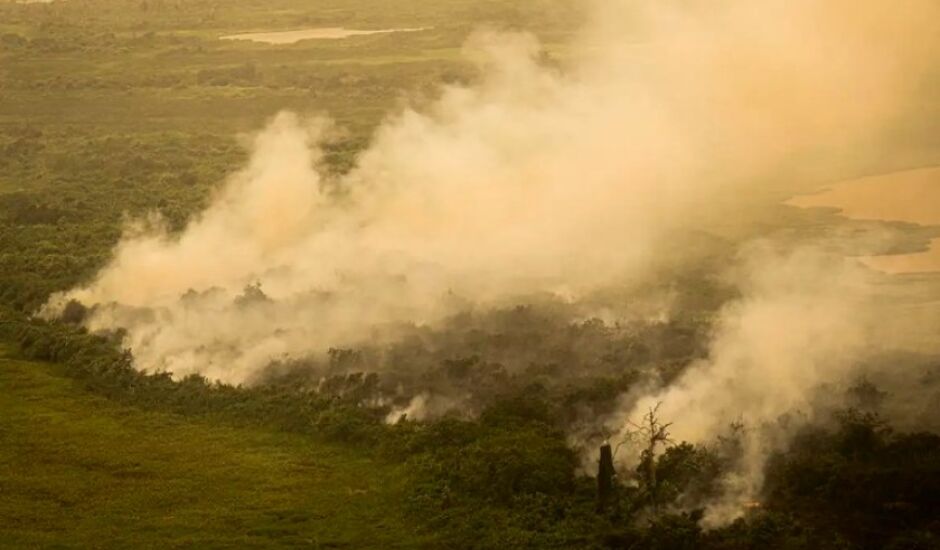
804,319
562,178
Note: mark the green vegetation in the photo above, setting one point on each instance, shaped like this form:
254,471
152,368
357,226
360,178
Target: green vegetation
114,108
507,477
81,470
111,108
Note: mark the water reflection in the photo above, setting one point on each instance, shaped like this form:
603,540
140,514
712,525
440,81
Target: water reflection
909,196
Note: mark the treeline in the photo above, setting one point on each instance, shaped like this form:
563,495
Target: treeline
509,476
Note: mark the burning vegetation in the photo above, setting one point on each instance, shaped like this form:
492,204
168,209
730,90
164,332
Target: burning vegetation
565,292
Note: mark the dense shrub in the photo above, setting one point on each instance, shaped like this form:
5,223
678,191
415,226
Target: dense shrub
510,477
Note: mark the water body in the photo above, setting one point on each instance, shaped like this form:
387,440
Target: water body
909,196
326,33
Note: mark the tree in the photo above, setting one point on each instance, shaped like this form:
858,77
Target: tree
605,477
651,433
74,313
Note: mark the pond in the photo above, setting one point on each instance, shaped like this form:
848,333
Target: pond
326,33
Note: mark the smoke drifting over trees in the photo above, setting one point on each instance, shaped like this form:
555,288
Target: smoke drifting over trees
574,185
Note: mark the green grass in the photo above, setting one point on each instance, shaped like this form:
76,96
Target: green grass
80,471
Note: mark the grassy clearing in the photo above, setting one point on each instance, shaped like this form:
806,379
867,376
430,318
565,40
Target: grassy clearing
79,471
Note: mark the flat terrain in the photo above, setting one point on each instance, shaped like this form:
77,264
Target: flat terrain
116,109
77,470
120,107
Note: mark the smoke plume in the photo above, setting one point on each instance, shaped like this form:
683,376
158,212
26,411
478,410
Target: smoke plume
803,320
665,119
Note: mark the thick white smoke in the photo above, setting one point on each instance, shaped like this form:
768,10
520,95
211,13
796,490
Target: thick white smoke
667,117
533,180
804,320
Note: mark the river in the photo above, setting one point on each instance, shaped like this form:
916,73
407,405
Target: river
909,196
